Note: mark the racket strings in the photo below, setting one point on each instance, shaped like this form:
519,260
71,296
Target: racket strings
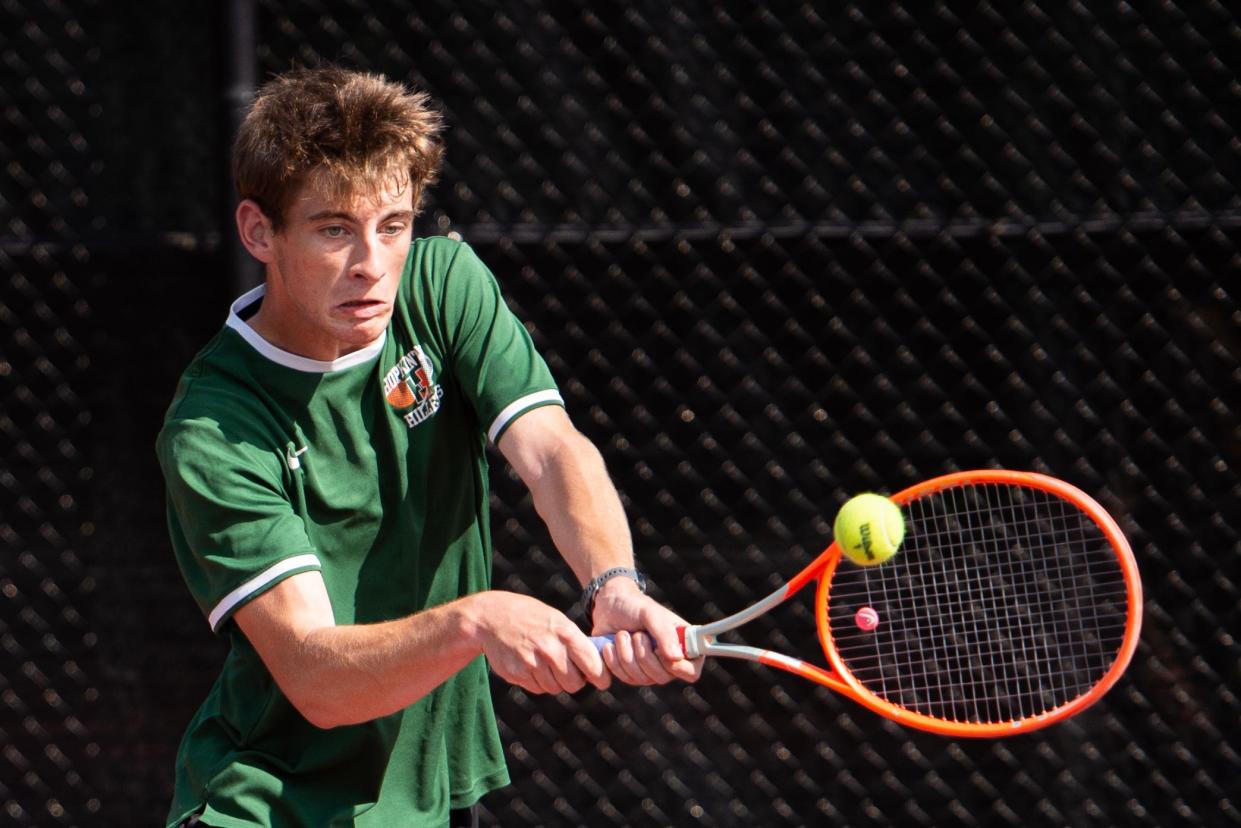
1004,603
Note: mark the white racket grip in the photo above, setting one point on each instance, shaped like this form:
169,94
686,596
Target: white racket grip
691,641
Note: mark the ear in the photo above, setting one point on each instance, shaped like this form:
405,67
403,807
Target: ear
255,230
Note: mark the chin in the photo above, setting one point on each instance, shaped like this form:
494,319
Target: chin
363,333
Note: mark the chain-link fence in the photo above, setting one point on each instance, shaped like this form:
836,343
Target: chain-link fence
775,254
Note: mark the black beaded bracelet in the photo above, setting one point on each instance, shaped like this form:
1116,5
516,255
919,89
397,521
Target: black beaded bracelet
587,602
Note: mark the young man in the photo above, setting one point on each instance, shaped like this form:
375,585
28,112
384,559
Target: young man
327,488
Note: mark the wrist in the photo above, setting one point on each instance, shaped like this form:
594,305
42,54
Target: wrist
612,584
616,587
471,616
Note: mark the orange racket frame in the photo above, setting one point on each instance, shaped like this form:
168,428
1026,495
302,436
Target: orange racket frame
700,640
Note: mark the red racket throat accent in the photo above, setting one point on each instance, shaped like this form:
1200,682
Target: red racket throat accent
1013,602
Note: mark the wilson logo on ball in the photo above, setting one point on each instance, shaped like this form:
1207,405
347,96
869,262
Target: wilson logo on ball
867,547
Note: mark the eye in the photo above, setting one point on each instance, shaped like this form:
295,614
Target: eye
334,231
394,229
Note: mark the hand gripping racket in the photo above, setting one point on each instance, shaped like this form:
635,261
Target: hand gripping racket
1013,602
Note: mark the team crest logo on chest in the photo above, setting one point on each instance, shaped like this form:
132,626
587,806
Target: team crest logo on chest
410,387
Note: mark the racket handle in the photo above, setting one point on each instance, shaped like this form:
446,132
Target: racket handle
601,640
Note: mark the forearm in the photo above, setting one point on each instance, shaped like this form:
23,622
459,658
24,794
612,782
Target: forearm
340,675
583,512
336,675
575,497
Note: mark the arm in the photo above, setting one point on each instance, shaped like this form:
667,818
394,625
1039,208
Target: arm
576,499
337,675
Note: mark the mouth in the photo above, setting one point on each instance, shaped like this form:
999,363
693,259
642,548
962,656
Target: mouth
362,308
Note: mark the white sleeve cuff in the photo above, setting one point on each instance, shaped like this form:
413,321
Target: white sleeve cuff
517,407
264,579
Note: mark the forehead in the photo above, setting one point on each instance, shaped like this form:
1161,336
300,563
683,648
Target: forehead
360,199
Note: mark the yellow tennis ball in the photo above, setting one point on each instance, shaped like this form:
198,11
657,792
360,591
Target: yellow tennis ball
869,529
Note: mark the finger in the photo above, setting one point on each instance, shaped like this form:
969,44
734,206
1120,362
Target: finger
648,661
626,669
543,677
571,680
612,660
534,674
686,669
513,672
620,656
567,676
589,661
524,680
608,653
667,640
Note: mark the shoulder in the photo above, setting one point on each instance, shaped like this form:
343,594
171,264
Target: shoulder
438,251
216,413
441,256
448,279
214,446
218,383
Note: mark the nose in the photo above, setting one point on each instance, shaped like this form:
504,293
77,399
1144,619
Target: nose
367,264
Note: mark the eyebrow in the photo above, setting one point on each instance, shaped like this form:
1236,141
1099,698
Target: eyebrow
339,214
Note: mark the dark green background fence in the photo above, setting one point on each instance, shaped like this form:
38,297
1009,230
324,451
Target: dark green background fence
774,256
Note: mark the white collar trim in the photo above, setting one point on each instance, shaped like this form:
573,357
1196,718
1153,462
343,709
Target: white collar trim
288,360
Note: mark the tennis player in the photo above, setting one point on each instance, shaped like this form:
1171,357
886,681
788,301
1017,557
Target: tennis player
327,491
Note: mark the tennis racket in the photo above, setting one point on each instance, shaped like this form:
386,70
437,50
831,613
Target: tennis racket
1013,602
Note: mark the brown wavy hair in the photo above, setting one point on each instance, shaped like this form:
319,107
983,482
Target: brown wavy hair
348,133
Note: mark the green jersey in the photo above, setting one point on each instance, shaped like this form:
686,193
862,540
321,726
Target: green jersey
372,470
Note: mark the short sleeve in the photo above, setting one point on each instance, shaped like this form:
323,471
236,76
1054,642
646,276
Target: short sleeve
233,529
490,351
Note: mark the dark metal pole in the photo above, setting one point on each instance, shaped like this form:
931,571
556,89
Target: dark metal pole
240,81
